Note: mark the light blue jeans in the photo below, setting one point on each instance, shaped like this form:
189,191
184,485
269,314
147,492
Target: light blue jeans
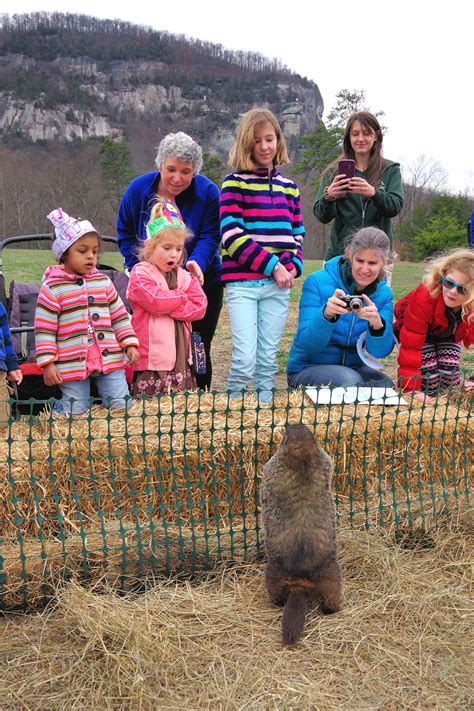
258,311
112,387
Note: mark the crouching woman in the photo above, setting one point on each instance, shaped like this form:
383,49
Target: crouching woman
328,346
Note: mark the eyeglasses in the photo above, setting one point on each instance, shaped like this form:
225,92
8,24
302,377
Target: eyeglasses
450,284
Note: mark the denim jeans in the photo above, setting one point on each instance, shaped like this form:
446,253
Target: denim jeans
111,386
257,313
338,376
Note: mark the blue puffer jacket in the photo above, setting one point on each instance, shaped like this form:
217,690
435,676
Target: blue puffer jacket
318,341
199,206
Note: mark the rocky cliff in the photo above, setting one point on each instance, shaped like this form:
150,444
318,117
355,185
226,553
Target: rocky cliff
47,95
68,81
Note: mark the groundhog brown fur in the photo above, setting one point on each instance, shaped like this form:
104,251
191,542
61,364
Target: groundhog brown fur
299,523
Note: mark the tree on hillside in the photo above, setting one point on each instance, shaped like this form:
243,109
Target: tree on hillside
442,232
213,168
435,225
347,103
421,178
116,169
320,148
84,195
46,36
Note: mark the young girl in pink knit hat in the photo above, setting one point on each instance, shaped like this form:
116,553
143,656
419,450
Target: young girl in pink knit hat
165,299
82,329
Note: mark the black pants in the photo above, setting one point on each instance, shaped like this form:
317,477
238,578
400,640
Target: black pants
207,327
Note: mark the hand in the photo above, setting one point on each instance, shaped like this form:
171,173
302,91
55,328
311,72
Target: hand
51,375
195,270
132,354
15,375
370,313
339,187
421,397
283,278
360,186
334,306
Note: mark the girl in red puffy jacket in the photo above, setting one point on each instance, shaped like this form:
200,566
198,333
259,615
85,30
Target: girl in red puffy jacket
432,323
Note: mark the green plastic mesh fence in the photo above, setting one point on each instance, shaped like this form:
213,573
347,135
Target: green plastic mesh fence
172,485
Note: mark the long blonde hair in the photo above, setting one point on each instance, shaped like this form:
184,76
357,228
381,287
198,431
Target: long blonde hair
240,155
463,261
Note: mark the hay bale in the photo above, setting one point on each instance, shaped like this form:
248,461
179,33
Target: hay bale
192,459
121,555
401,640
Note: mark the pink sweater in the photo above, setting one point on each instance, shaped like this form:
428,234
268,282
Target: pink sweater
156,307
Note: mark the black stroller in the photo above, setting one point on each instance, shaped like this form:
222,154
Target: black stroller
20,305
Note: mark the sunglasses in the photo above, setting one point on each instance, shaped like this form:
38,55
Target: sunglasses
450,284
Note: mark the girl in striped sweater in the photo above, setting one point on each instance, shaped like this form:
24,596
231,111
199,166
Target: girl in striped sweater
262,236
82,329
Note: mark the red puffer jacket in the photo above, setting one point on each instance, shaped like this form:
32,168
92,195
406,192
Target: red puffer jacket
417,315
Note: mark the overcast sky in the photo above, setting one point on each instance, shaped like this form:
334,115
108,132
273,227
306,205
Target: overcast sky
413,58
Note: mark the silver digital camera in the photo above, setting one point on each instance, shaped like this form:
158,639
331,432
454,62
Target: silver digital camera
353,302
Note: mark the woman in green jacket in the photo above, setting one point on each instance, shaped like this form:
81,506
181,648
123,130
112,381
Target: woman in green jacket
371,198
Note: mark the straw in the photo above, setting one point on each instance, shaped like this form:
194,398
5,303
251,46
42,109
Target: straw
402,640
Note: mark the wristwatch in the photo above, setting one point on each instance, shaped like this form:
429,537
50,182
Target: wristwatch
276,267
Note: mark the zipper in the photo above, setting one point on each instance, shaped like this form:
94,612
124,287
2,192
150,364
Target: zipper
363,205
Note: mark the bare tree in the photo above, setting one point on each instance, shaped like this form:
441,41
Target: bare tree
422,177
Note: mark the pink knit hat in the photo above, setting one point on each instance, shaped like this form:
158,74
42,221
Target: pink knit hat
67,230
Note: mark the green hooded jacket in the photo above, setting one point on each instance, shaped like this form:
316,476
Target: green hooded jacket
353,211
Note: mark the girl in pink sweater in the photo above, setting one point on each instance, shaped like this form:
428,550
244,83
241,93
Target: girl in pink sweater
165,300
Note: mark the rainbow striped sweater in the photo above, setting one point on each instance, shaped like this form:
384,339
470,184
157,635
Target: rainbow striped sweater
67,305
261,224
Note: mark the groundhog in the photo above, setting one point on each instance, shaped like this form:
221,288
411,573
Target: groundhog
299,522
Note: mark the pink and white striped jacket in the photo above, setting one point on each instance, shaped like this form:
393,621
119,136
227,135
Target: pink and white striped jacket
66,305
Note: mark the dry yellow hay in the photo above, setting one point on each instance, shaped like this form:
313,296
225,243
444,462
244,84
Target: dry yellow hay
403,639
121,555
124,554
197,459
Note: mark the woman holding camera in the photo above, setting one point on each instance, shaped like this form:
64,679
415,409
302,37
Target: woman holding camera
332,328
372,197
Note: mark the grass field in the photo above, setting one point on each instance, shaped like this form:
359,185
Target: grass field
28,266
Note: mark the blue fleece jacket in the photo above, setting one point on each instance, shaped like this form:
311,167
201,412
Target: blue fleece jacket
8,359
318,341
199,206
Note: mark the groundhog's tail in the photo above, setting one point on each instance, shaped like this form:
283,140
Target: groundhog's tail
294,616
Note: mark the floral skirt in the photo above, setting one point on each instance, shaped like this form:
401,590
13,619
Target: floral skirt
151,382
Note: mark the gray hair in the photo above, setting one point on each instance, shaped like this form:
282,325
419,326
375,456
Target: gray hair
369,238
180,146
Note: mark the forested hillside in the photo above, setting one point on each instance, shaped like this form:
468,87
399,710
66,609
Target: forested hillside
70,84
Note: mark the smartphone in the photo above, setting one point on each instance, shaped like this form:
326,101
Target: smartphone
347,167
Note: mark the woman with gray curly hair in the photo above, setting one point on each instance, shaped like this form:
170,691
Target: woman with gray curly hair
177,180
